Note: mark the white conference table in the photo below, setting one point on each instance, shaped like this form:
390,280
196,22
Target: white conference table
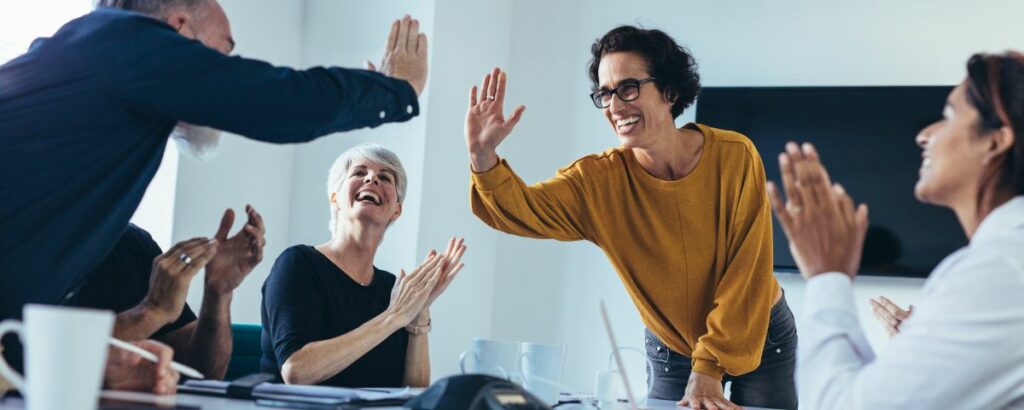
221,403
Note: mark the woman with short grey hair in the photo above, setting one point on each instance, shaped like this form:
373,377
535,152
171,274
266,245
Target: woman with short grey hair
329,315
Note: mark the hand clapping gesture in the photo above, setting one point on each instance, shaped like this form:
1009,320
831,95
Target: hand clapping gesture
413,293
825,231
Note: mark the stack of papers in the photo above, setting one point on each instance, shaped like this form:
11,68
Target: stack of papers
305,394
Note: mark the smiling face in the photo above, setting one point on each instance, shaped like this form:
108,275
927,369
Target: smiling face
637,122
368,193
954,151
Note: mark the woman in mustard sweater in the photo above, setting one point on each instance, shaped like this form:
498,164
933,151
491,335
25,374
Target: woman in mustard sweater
681,213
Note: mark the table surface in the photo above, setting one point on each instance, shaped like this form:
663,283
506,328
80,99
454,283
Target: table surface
220,403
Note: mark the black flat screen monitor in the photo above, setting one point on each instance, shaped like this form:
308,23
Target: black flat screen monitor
865,136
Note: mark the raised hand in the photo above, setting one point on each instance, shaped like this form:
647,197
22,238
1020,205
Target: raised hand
825,231
405,54
411,292
237,255
172,273
486,125
129,371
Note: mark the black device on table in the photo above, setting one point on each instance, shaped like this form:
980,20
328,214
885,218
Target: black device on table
475,392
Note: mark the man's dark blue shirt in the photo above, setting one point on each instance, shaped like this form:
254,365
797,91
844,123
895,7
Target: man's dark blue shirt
85,116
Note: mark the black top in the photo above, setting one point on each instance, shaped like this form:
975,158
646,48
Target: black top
85,116
119,283
307,298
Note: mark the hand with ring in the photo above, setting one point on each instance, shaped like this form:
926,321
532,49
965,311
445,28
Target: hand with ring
825,231
172,273
486,125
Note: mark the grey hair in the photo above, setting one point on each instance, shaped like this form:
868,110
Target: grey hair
371,152
155,8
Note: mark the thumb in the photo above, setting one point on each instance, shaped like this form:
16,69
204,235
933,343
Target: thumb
516,116
225,225
369,65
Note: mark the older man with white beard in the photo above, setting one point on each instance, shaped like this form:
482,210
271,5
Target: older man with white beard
85,116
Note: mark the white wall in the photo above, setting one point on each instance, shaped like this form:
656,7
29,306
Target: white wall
245,171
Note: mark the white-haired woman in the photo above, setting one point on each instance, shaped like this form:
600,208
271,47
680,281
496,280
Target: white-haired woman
329,315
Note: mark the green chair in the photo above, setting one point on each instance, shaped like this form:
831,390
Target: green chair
246,352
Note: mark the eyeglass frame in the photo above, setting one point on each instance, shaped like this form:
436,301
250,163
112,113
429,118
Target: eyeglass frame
615,92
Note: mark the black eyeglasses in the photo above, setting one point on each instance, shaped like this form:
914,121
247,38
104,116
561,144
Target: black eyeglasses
629,90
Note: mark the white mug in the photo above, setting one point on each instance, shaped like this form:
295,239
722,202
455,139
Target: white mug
541,367
610,386
65,352
494,357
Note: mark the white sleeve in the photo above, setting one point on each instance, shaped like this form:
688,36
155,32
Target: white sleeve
960,349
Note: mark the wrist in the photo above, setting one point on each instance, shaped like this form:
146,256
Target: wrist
422,319
483,160
415,329
150,311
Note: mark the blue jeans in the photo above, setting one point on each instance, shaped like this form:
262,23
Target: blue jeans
770,385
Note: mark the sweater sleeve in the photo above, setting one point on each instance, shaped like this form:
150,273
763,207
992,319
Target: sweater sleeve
738,323
550,210
183,80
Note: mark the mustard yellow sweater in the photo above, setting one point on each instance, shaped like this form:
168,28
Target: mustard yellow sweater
695,254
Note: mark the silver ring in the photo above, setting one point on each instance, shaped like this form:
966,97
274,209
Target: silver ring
185,258
794,209
490,97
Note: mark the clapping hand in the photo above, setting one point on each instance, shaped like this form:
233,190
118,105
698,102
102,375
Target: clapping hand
412,291
486,125
405,54
825,231
891,315
172,273
450,266
238,255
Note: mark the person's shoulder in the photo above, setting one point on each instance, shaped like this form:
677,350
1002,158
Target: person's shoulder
108,17
730,146
608,160
729,139
294,258
384,277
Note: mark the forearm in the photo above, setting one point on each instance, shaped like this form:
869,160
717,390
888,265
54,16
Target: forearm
139,322
209,347
417,357
320,360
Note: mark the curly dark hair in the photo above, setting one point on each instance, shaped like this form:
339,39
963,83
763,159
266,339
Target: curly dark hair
995,87
672,66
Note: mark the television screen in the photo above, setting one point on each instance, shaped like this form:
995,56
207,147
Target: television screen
865,136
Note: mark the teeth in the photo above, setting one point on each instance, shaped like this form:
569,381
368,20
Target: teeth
627,121
368,195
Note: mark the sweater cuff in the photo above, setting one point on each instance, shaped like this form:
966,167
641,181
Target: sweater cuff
493,178
708,367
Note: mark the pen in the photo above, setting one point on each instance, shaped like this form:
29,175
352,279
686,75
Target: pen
185,370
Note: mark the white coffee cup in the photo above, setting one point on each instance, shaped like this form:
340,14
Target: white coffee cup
494,357
541,368
65,352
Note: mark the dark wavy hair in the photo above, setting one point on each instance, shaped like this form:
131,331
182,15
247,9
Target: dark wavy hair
995,87
672,66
